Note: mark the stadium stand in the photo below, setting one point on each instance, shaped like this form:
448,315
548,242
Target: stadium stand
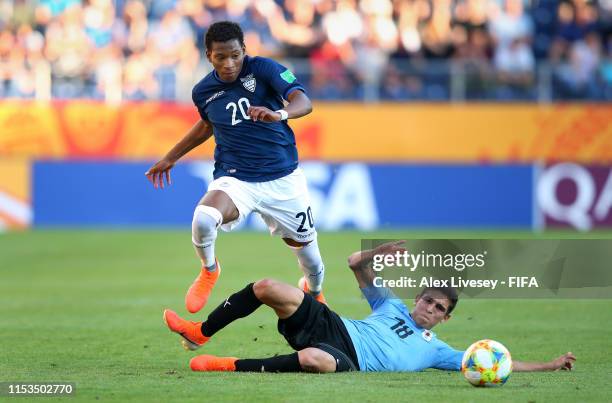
363,50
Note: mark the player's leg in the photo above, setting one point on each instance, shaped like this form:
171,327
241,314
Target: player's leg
312,329
311,264
215,208
310,359
283,298
287,212
227,202
314,359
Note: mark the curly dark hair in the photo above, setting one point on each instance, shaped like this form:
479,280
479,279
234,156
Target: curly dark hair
223,31
448,292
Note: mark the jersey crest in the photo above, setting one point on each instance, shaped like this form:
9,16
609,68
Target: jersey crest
249,82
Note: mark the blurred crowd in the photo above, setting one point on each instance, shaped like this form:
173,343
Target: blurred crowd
340,49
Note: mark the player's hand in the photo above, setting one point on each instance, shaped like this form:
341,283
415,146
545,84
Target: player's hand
390,248
263,114
361,259
158,172
565,362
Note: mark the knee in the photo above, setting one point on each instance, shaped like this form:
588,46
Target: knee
206,219
264,288
295,244
316,360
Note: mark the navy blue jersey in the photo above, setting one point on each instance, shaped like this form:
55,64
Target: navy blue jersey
247,150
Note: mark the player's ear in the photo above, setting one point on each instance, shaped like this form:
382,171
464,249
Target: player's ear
208,53
447,317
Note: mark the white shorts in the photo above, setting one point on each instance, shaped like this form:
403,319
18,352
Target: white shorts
284,204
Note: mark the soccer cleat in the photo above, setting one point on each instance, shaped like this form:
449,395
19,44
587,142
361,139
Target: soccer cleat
198,293
212,363
191,332
303,285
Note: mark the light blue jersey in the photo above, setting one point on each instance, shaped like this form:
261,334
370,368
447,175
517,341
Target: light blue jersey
389,340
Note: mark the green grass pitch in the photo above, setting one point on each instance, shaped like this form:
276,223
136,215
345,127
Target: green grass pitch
86,307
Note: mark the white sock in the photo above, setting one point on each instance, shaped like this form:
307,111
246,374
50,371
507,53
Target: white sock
310,262
206,219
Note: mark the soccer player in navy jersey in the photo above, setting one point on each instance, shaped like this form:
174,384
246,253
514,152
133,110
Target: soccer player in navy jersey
242,103
391,339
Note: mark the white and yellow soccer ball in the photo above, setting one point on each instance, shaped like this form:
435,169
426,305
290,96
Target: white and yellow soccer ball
486,363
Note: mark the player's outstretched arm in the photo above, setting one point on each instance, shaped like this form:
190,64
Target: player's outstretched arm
198,134
361,262
564,362
299,105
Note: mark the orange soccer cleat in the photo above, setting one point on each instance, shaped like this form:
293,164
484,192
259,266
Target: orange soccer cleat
212,363
190,331
200,290
303,284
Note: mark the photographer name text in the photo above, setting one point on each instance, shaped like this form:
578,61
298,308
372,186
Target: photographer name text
456,282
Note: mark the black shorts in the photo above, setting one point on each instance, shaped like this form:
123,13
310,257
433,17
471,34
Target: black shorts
315,325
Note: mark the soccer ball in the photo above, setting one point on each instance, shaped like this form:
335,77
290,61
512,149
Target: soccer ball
486,363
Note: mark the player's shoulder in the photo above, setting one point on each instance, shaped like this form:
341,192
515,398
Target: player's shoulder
259,61
392,307
399,304
263,64
204,86
438,343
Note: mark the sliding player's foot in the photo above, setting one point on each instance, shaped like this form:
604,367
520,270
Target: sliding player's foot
212,363
191,333
198,293
303,285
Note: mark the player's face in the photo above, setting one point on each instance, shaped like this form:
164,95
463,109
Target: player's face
430,309
226,58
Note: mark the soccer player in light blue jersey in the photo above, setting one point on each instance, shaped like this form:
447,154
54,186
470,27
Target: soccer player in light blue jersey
245,103
392,338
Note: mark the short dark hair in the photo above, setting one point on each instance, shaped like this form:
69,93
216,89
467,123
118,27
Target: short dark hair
223,31
449,292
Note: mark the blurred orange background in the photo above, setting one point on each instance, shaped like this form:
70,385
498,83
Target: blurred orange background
334,132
